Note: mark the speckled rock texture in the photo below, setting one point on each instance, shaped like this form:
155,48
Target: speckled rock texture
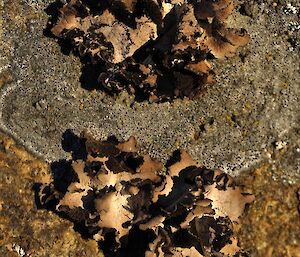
269,229
248,120
252,107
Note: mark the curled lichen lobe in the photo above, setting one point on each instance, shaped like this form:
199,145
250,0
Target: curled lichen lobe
183,206
156,49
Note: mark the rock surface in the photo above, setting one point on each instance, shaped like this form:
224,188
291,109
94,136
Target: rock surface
25,230
253,106
249,119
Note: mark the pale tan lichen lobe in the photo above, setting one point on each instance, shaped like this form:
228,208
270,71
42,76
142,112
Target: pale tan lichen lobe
185,207
156,49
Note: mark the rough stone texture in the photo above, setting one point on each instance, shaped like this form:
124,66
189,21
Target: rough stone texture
271,227
251,116
253,104
24,229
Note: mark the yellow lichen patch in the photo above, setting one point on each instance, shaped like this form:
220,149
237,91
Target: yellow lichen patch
272,224
18,158
269,56
284,85
247,107
81,106
5,77
230,120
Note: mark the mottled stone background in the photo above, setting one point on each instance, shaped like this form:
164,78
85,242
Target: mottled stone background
253,106
249,118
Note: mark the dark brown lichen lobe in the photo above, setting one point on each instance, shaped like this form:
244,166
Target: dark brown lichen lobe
113,190
155,48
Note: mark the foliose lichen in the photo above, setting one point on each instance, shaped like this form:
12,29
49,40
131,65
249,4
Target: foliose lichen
156,49
183,208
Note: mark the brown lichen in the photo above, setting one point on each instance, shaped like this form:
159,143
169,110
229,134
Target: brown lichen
156,49
186,209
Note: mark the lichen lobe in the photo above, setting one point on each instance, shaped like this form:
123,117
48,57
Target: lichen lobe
187,209
159,50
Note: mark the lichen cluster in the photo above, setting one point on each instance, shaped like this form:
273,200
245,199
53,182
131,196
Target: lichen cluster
156,49
187,209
